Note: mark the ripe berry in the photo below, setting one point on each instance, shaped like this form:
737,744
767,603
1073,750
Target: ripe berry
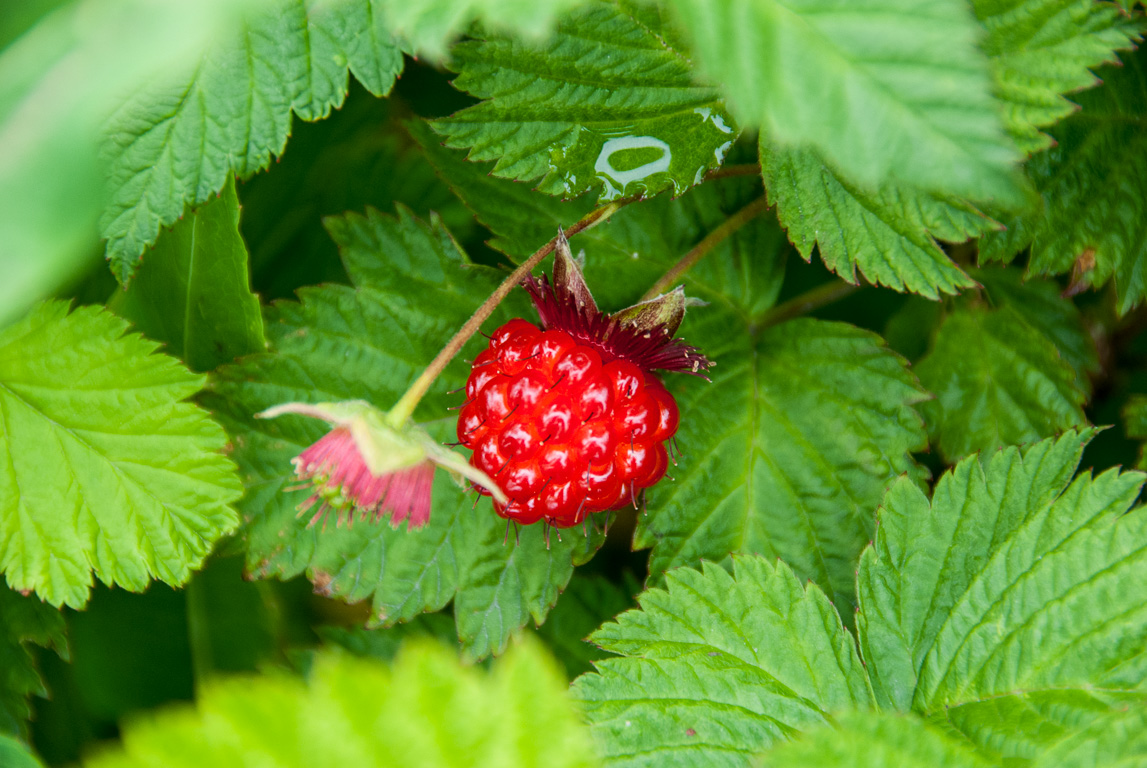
569,419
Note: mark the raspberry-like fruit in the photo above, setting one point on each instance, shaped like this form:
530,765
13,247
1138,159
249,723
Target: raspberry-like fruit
569,418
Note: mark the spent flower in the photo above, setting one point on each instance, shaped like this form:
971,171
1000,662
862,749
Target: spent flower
369,466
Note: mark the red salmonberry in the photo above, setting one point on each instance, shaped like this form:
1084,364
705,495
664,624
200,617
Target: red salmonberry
569,418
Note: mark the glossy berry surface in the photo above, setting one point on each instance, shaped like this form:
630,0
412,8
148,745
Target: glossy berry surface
565,428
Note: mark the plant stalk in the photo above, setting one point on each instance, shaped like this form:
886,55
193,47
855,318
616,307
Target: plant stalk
728,227
818,297
729,171
405,406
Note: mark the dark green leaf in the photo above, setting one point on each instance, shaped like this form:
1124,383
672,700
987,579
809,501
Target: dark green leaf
384,644
891,90
637,244
1043,49
130,653
13,754
1092,184
176,142
193,292
889,234
1135,418
607,103
998,381
1042,305
586,603
23,621
356,158
231,622
521,218
788,451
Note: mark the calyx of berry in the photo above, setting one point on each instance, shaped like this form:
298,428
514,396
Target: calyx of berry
641,334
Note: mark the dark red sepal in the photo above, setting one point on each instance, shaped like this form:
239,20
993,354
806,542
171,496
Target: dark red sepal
641,334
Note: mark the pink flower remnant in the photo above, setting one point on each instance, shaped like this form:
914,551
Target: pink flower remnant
343,483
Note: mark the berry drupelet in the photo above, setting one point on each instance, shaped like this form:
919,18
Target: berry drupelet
569,418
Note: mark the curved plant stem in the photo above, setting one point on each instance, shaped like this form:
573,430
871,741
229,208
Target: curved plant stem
409,401
818,297
745,169
728,227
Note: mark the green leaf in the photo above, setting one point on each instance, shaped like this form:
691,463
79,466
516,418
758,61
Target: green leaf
1014,579
1135,417
357,157
1092,187
176,142
424,710
1041,50
233,624
193,294
1038,50
1008,611
894,89
521,218
129,653
998,381
606,103
639,243
788,451
716,667
13,754
1042,305
872,740
1058,605
1119,739
384,644
51,181
586,603
925,555
414,287
23,621
1019,727
888,233
107,473
427,26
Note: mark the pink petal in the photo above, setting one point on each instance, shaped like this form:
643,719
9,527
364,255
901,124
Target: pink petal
334,462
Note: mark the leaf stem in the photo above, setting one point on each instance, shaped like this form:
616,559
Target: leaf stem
818,297
728,227
744,169
405,406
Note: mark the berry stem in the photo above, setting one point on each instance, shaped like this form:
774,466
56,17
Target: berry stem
405,406
818,297
728,227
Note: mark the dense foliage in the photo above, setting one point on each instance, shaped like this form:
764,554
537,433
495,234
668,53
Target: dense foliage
903,524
